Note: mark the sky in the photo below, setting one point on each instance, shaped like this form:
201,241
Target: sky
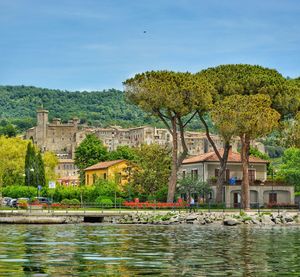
98,44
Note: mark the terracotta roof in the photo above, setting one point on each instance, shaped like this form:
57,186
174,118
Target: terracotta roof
103,165
233,157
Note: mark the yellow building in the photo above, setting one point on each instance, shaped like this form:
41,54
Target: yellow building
117,171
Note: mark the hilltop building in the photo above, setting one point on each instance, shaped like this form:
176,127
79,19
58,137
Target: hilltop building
63,138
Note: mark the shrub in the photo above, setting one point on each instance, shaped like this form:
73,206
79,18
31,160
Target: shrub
74,202
104,201
19,191
65,202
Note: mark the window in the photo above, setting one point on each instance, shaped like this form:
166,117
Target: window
217,172
194,174
94,178
88,179
227,176
104,176
251,175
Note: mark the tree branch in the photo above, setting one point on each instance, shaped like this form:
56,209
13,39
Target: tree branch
163,118
209,137
189,119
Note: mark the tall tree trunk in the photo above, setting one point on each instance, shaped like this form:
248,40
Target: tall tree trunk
184,153
222,173
174,169
223,161
245,165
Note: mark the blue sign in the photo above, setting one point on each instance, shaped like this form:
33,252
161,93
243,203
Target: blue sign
39,187
232,181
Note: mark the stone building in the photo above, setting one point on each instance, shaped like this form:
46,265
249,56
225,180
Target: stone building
205,167
62,138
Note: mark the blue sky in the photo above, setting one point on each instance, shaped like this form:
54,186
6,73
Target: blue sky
97,44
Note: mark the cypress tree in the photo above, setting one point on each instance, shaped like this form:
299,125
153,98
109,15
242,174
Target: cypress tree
40,170
29,165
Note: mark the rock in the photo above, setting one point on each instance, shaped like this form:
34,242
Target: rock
208,220
277,220
288,219
191,217
231,222
267,220
255,221
174,219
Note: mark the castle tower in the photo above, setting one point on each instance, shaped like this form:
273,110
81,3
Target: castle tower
41,128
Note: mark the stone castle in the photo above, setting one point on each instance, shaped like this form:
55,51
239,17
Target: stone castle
63,138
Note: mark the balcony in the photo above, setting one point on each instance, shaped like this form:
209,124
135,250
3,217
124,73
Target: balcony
274,183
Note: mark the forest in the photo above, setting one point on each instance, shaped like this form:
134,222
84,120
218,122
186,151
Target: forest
18,105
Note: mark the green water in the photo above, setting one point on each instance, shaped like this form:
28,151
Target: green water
138,250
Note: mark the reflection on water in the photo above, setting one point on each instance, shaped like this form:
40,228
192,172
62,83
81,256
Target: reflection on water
129,250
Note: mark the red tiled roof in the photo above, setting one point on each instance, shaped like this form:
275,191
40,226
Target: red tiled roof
233,157
103,165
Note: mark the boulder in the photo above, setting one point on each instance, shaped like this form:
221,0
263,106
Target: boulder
191,217
267,220
288,218
231,222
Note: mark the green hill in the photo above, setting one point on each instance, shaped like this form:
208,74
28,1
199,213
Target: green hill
18,105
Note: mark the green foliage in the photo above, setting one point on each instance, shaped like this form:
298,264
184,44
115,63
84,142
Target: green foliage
251,115
90,151
50,162
105,187
104,201
34,167
256,153
19,191
12,156
123,152
65,201
8,130
29,161
153,162
290,132
245,79
190,184
40,170
171,96
18,105
70,202
60,193
289,170
181,93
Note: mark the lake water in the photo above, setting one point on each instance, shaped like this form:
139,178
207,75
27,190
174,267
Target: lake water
131,250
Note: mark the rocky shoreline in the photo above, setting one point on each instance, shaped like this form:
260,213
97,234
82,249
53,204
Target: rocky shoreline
205,218
162,218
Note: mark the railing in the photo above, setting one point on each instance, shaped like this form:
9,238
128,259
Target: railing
148,206
251,183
